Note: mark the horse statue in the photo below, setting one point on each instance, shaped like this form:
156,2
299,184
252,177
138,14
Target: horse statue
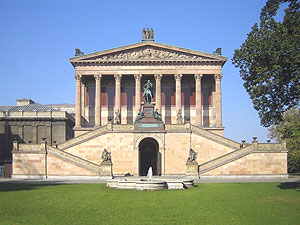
148,93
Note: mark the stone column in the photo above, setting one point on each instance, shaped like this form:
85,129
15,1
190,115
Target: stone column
198,99
178,93
34,134
218,100
138,78
98,100
49,133
118,93
78,101
158,92
21,131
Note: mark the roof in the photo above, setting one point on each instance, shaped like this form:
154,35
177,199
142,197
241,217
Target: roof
171,53
30,107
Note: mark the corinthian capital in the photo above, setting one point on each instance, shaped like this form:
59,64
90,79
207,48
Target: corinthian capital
118,77
78,77
218,76
97,76
198,76
157,76
178,76
138,77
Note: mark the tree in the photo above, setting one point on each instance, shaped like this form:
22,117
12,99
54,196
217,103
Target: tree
289,130
269,62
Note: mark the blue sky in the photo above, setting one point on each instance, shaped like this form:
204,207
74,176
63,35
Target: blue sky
38,38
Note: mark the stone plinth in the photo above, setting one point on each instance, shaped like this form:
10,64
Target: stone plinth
106,169
149,123
192,169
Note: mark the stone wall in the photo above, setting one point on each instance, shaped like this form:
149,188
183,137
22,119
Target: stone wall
58,167
119,144
254,164
207,149
176,152
173,147
29,164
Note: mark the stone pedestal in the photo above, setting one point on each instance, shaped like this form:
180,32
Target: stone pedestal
148,122
191,169
106,169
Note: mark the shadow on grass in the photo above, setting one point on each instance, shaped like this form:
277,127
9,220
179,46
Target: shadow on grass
6,187
290,185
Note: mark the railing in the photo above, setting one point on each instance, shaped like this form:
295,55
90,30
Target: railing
254,147
175,127
123,127
272,147
81,138
74,159
29,147
214,137
222,160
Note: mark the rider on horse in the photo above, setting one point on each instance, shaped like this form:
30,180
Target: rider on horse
148,94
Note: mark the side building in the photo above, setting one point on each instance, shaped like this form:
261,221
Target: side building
31,123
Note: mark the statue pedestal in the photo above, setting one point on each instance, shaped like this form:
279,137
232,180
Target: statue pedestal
192,169
106,169
148,122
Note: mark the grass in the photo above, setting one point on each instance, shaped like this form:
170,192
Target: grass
233,203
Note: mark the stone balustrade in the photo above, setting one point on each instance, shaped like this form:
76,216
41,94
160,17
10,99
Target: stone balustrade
74,159
29,114
29,147
273,147
255,147
214,137
81,138
225,159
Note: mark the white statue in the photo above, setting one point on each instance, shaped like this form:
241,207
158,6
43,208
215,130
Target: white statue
149,174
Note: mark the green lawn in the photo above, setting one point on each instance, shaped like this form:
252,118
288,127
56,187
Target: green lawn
233,203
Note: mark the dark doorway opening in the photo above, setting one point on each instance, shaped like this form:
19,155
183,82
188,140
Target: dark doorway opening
148,156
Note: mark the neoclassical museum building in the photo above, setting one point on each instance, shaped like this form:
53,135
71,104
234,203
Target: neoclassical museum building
148,104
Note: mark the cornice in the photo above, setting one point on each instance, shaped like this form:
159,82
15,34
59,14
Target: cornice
92,58
147,62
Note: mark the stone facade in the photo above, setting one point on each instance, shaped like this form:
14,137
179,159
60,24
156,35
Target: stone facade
184,116
215,157
185,80
29,122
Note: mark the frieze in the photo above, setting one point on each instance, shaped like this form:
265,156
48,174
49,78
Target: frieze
148,53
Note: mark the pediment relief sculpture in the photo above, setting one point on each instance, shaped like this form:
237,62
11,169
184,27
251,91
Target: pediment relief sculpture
148,53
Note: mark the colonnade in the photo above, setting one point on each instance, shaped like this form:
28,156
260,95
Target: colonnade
217,101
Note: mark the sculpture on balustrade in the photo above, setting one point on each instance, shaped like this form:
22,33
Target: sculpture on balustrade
117,119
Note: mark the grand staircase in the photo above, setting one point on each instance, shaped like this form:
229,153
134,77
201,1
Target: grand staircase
237,152
82,138
214,137
224,159
75,160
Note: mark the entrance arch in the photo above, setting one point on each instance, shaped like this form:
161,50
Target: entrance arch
149,156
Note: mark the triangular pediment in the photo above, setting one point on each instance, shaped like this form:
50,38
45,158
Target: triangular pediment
148,51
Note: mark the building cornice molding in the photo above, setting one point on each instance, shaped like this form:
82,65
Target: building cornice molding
149,44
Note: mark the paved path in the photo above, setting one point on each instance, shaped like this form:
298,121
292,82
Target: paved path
196,180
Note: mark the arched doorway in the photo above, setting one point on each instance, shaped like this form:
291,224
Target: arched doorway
148,156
